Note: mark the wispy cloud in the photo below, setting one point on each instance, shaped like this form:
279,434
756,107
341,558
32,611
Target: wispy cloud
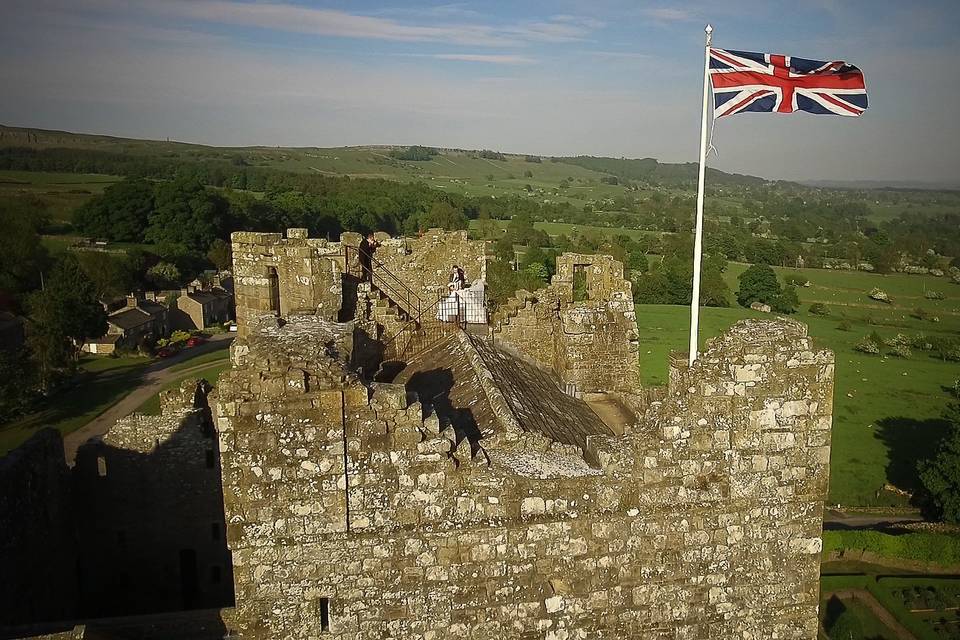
336,23
613,55
669,14
483,57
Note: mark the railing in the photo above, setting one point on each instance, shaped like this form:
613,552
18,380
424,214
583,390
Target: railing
426,325
386,281
447,315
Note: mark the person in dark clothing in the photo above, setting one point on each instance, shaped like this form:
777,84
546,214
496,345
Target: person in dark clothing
367,246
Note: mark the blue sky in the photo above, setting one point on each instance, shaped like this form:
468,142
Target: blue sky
600,77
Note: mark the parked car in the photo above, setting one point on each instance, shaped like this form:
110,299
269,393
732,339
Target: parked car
195,340
166,352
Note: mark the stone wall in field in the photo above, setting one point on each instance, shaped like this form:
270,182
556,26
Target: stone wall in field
352,513
582,325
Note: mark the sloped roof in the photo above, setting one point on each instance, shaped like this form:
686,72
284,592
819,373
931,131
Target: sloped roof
208,296
448,377
136,316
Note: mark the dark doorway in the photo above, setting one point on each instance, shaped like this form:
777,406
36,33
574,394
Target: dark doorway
188,577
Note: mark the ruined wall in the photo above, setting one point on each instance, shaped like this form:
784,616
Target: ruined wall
352,515
587,333
150,513
308,275
424,263
37,548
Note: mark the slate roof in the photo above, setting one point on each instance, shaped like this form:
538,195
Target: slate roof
136,316
207,297
444,377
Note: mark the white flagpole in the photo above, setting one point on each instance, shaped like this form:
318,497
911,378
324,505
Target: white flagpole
698,237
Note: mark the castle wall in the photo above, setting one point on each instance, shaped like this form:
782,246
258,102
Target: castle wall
150,513
302,274
586,333
38,552
351,515
424,263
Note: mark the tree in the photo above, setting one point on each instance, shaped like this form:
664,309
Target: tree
758,284
186,216
538,271
164,275
487,227
64,313
221,255
17,383
637,258
787,301
445,215
940,475
120,213
111,275
23,257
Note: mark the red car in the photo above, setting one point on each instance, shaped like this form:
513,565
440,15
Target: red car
194,341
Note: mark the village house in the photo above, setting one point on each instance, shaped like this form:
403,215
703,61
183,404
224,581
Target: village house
142,321
199,308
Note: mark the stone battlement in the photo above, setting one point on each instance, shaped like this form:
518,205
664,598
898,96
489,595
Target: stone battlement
368,504
518,484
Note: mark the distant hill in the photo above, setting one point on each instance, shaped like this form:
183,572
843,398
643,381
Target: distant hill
654,172
458,167
909,185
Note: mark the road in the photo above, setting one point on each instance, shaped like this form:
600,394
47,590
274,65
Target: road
155,377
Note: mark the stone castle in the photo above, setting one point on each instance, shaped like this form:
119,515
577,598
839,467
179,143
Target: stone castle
387,475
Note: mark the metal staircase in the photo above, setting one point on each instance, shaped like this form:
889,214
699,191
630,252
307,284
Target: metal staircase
419,327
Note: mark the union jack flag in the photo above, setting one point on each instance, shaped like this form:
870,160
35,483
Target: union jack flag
766,82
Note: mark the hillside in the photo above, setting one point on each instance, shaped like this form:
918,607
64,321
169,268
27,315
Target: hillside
471,172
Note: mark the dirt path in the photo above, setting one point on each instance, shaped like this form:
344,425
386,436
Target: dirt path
154,378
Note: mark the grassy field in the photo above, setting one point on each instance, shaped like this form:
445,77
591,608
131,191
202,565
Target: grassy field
152,406
886,409
104,382
220,355
558,228
873,627
926,606
61,192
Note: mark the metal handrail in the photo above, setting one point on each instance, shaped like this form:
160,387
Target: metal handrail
429,331
426,325
388,282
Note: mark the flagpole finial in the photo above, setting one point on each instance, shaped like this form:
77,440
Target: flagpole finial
709,31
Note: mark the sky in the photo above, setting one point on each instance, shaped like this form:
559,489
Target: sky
617,78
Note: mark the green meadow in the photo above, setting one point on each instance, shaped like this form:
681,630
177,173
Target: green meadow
61,193
886,409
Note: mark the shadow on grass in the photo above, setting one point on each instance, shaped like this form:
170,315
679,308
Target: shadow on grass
71,408
908,442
